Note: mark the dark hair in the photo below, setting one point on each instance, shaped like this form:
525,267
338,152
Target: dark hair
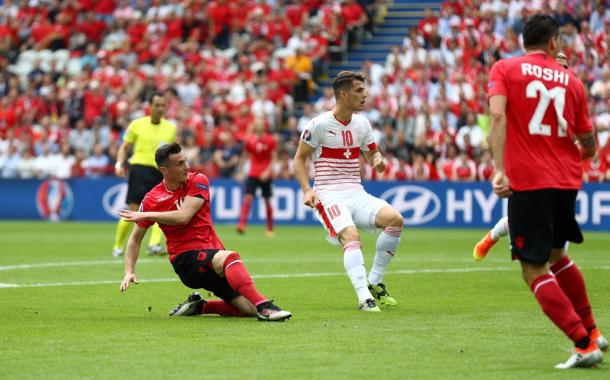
539,29
343,80
154,95
164,151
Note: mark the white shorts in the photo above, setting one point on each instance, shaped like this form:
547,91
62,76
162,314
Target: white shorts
339,210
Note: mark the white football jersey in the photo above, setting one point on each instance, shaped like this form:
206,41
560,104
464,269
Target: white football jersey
337,150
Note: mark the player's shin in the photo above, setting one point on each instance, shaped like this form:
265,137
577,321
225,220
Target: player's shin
353,262
387,242
239,279
500,230
572,283
245,211
221,307
269,212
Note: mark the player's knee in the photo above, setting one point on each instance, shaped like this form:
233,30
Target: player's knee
396,220
349,234
223,259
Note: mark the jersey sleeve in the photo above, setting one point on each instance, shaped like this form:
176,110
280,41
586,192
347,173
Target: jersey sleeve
131,134
497,80
146,205
368,143
312,134
199,187
583,121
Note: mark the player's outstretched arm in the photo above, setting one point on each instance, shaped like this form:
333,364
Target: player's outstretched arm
119,168
131,256
300,173
183,215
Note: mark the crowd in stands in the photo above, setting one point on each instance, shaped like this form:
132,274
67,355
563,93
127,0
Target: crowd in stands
74,73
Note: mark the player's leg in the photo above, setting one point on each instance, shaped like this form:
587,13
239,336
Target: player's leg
374,213
249,192
337,220
499,231
228,265
267,194
531,231
123,228
568,275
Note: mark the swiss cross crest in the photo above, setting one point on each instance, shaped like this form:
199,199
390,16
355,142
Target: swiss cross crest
347,153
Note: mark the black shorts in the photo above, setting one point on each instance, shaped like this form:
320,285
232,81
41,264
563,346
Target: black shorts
195,271
252,183
141,180
540,220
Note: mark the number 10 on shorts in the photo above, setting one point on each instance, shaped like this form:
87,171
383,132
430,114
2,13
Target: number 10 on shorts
333,211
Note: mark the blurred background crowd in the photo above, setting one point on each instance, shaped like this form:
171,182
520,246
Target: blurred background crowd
74,73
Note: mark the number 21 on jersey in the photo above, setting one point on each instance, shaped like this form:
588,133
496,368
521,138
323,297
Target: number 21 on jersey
558,96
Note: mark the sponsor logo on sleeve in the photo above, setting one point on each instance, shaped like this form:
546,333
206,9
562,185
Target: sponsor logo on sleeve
307,135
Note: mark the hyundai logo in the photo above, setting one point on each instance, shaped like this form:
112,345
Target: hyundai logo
417,204
114,199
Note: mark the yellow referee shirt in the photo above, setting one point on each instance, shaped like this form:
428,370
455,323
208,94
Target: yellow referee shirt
146,137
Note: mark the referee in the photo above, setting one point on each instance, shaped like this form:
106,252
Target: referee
143,136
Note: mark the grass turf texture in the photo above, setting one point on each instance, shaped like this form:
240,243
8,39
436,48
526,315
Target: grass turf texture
449,322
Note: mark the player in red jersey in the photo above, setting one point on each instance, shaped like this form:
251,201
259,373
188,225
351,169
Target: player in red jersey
261,147
537,107
180,204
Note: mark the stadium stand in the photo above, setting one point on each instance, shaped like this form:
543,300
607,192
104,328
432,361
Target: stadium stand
74,73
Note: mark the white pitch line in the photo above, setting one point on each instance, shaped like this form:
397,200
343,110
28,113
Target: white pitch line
262,276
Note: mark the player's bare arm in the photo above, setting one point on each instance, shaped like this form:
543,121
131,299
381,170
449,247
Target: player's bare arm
497,140
131,257
268,173
587,143
182,216
300,172
121,158
375,159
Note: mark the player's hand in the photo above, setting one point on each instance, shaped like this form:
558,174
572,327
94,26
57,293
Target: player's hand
127,280
501,184
378,164
132,216
310,198
120,171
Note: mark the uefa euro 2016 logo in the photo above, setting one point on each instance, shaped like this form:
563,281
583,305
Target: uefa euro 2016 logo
54,200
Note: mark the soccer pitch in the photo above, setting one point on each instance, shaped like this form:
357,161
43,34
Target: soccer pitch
63,316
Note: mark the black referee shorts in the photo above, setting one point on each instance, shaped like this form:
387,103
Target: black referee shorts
141,180
195,271
540,220
253,183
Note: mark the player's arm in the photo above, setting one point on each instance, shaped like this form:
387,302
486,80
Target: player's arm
181,216
587,144
131,256
304,150
121,158
375,159
268,172
497,141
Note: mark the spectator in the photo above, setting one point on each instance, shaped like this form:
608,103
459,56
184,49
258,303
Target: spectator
97,164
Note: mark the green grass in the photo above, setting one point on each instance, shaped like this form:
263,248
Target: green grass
478,324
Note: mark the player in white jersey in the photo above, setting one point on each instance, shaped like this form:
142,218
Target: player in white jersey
333,141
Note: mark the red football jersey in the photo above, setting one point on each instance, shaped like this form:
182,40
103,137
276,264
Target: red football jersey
199,233
261,152
545,106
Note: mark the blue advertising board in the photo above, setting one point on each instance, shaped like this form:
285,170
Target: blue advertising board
426,204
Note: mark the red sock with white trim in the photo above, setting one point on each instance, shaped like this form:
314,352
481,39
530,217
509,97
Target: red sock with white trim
572,283
221,307
240,280
556,305
269,211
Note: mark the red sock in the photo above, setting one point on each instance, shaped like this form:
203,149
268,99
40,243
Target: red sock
557,307
269,210
240,280
221,307
245,210
572,283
